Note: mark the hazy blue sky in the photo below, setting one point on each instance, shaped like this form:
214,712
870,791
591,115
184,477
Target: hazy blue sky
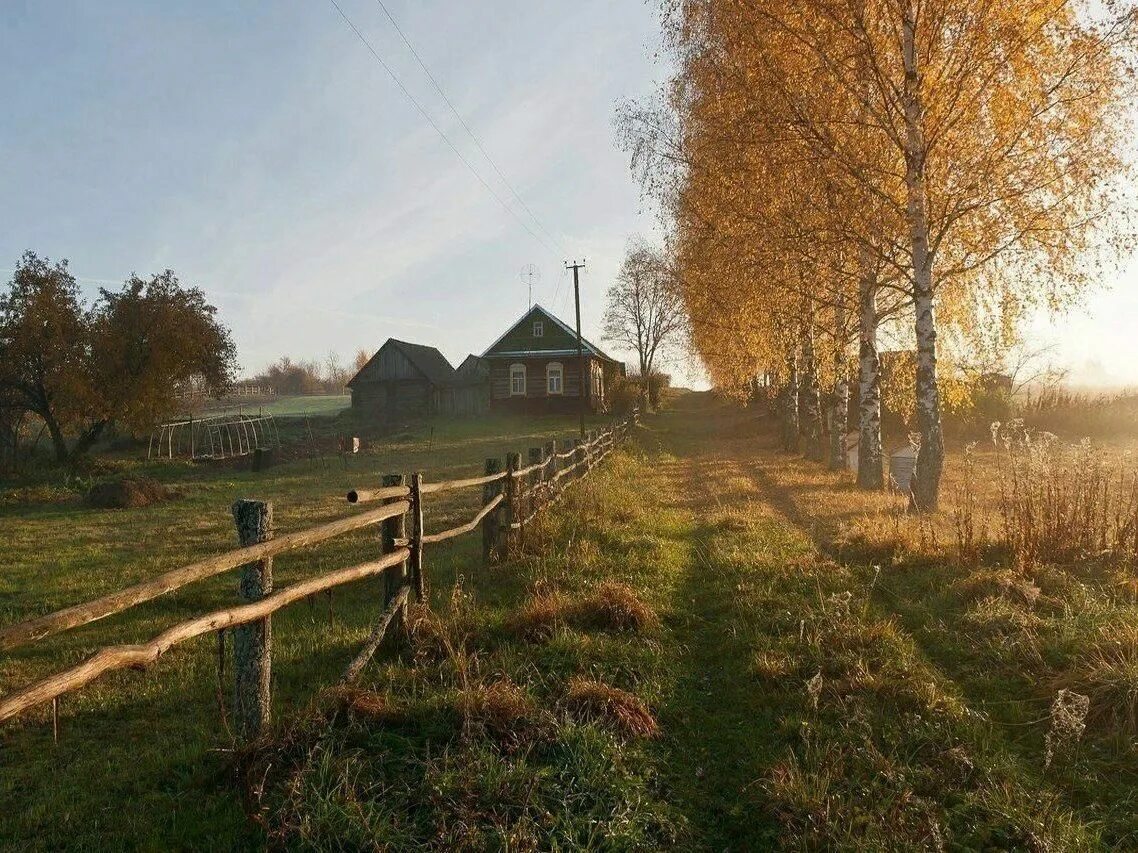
260,151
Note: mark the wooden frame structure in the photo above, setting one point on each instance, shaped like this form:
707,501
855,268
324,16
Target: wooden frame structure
214,437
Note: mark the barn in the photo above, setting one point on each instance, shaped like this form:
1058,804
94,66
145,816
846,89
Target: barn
534,367
402,380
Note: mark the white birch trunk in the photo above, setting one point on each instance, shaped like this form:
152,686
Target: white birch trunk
812,399
870,471
925,487
790,403
840,400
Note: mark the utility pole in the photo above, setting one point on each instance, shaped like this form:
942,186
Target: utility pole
581,386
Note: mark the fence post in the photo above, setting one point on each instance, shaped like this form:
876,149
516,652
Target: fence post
253,643
550,469
578,457
417,537
510,515
532,480
392,529
492,521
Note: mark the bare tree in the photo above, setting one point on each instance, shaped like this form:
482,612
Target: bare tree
644,313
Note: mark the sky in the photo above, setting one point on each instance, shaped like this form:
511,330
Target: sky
261,152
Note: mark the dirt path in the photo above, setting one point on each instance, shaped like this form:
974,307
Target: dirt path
759,607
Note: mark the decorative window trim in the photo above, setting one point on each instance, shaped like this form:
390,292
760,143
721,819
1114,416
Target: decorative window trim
538,328
517,371
554,370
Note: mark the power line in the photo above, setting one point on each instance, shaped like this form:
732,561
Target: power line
439,130
462,121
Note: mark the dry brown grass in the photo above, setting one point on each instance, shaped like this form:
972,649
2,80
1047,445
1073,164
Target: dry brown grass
615,606
502,710
998,582
594,701
540,615
611,606
365,704
1108,673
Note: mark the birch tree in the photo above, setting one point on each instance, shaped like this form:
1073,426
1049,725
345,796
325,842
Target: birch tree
644,312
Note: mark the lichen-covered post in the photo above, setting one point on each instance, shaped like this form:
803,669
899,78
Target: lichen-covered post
532,480
416,560
550,469
492,521
253,643
391,530
510,513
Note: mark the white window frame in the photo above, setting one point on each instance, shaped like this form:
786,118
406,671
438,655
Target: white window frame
539,328
552,370
516,371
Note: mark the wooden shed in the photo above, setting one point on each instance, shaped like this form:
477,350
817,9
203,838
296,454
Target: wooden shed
401,381
469,390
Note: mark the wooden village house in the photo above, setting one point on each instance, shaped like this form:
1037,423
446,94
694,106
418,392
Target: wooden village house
534,367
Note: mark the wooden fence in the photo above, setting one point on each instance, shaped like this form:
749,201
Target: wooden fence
512,497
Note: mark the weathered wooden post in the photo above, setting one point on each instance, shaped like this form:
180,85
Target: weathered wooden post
253,643
578,457
532,481
492,521
510,513
549,471
391,530
417,537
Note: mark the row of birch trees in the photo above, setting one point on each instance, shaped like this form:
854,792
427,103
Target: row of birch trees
834,170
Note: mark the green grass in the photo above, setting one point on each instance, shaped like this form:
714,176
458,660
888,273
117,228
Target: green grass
321,404
142,757
814,690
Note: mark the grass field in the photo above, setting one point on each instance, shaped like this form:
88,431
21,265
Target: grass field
824,673
151,740
324,404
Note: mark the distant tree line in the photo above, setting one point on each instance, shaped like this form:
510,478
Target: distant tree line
330,376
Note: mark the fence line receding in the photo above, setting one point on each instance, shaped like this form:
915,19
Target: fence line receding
512,496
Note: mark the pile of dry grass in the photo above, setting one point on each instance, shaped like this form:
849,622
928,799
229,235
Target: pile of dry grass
1108,674
127,493
612,606
1000,583
502,710
540,615
365,704
594,701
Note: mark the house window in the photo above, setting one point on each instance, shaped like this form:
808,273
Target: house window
517,380
538,329
554,377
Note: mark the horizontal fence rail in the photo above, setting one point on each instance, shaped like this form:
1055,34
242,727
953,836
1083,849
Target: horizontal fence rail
116,602
512,497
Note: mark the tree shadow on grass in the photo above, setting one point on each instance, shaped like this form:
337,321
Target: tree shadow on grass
722,735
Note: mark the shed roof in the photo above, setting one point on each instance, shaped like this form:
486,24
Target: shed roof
427,360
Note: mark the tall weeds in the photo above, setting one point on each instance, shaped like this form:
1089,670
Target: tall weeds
1059,502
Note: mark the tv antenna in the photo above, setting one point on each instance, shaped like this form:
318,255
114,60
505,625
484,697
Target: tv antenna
531,275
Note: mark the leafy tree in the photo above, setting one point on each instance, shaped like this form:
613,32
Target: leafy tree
79,369
644,312
967,147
